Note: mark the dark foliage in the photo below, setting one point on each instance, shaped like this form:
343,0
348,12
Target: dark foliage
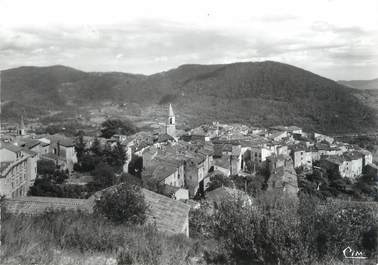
103,175
116,126
124,204
217,181
46,167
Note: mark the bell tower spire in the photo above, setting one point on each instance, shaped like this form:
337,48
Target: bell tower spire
170,127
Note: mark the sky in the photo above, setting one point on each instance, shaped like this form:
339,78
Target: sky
337,39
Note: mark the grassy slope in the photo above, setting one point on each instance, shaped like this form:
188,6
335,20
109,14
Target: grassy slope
70,238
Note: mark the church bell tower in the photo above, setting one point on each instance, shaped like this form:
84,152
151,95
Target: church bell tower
170,127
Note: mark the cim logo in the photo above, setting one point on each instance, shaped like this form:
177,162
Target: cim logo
349,253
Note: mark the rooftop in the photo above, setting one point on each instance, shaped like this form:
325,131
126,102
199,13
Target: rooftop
62,140
38,205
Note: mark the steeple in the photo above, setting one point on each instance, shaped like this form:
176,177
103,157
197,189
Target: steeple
170,113
170,127
21,130
22,125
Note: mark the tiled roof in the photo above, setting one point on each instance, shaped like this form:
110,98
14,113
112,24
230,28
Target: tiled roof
29,152
168,214
169,190
38,205
11,147
63,140
30,143
161,172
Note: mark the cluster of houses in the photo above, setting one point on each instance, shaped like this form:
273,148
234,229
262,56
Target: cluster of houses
176,166
19,153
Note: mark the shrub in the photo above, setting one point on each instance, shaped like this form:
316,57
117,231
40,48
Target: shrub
123,204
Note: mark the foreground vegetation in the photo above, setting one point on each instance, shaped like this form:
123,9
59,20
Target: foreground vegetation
275,230
55,237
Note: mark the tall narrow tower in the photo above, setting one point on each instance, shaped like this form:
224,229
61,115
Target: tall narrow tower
21,130
170,127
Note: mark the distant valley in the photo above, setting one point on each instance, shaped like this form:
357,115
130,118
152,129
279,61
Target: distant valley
361,84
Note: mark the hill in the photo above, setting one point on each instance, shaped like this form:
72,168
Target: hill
259,93
361,84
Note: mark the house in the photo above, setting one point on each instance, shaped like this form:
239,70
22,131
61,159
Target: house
260,152
348,165
302,156
197,160
288,129
18,171
321,137
278,135
283,179
62,152
276,161
222,165
166,177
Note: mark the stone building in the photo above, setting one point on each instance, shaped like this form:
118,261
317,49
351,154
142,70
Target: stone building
18,170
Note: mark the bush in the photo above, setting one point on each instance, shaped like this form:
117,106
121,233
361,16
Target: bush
123,204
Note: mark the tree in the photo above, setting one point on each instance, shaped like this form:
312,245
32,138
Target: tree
115,157
217,181
87,163
96,147
45,167
117,126
136,166
80,147
103,175
124,204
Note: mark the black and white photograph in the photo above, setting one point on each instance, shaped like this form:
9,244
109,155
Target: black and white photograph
202,132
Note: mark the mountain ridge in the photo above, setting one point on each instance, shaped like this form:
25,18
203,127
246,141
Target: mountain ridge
259,93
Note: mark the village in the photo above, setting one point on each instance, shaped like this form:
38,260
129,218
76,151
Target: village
176,168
